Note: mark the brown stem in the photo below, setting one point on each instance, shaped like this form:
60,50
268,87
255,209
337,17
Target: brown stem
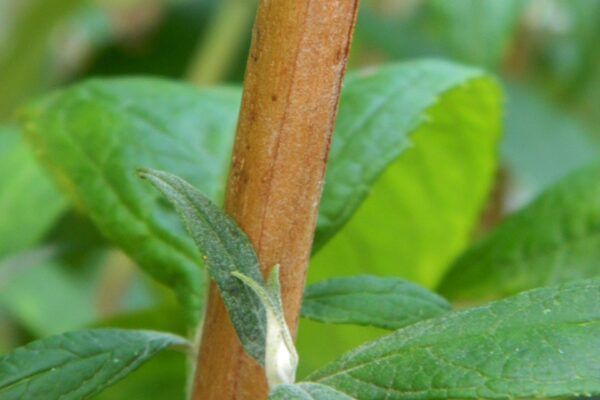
291,91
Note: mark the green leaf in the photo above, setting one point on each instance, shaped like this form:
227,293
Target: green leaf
226,250
281,358
417,142
443,120
387,303
554,239
95,136
78,365
24,188
306,391
542,343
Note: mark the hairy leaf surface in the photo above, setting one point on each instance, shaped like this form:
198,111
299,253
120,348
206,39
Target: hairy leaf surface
226,249
387,303
541,343
78,365
94,136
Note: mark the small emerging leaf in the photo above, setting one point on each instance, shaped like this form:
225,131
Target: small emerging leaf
542,343
306,391
226,250
281,358
78,365
387,303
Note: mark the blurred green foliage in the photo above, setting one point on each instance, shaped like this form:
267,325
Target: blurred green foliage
58,273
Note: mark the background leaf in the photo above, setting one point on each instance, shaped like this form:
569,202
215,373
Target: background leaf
555,239
29,202
95,135
444,119
542,343
78,365
387,303
226,249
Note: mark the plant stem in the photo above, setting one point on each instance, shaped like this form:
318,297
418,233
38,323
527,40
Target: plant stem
291,91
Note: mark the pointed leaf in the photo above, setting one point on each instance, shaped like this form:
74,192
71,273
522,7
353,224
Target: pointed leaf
542,343
226,249
78,365
23,188
387,303
281,358
554,239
